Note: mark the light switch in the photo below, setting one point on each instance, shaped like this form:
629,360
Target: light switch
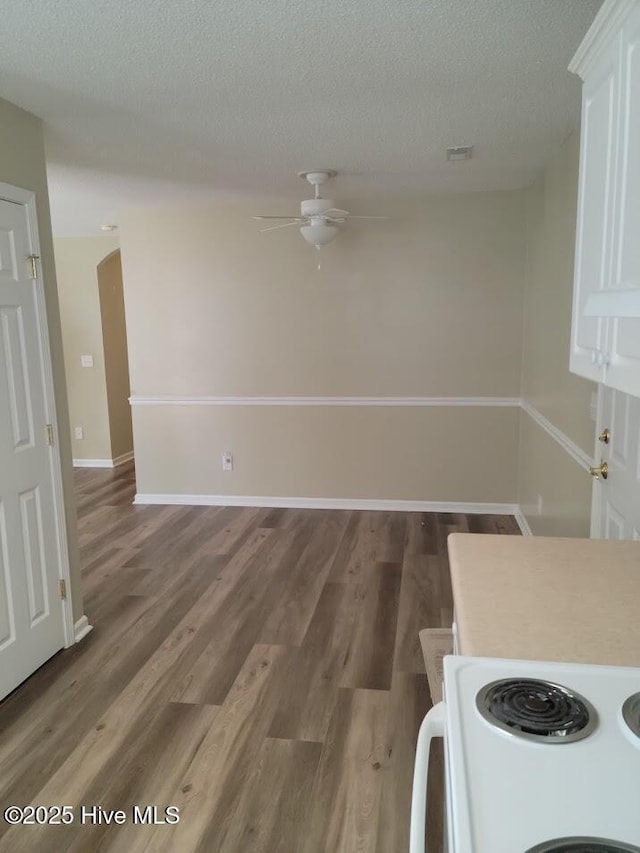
86,360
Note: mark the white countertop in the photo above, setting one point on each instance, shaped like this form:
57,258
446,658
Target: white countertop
542,598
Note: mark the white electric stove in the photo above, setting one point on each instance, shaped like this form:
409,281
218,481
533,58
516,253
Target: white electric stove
540,758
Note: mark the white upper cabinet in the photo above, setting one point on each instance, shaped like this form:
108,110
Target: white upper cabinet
595,209
605,340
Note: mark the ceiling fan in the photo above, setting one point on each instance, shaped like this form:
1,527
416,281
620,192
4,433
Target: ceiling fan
318,215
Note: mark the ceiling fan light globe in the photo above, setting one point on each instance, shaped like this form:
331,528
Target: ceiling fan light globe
319,234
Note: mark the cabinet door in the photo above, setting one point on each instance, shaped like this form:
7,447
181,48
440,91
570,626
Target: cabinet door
600,112
623,371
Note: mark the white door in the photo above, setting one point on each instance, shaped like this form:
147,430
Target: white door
31,616
616,499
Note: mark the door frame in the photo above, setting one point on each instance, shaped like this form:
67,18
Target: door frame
27,198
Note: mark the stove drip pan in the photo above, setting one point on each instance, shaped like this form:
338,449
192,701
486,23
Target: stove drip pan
631,713
583,845
537,710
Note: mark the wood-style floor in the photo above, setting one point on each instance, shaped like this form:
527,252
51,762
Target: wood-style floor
259,669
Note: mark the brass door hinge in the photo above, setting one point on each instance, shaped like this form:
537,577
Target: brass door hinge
34,264
63,588
48,431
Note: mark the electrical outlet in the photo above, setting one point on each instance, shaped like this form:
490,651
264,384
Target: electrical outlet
79,432
227,461
539,504
86,360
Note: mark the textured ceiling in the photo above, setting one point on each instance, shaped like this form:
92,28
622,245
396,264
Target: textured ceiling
146,102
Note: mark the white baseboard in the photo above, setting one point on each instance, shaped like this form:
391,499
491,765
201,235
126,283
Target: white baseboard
103,463
522,522
81,628
278,502
93,463
120,460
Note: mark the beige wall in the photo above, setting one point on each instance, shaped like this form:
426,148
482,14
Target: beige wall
564,399
421,454
429,303
466,295
22,164
426,304
114,339
546,469
77,259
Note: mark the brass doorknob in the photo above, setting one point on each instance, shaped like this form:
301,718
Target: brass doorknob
602,470
605,436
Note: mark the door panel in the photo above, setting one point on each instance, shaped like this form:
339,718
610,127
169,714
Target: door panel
627,265
35,563
8,257
614,528
595,208
7,623
616,504
14,346
624,367
619,428
31,616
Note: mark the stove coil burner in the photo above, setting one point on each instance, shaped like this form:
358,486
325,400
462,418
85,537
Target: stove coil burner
631,713
583,845
537,710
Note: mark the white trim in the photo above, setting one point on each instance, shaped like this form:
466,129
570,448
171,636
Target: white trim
203,400
27,198
522,522
327,503
103,463
18,195
576,453
81,628
605,25
472,508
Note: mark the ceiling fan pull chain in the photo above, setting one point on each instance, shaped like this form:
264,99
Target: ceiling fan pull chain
318,251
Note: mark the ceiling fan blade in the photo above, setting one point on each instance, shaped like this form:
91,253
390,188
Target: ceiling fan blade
284,225
297,218
334,219
369,217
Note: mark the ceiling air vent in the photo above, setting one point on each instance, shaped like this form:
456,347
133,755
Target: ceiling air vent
460,152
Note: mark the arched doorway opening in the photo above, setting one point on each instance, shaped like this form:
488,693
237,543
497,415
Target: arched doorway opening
116,358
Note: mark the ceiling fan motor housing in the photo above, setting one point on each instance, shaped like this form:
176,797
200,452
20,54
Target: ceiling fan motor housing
316,206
